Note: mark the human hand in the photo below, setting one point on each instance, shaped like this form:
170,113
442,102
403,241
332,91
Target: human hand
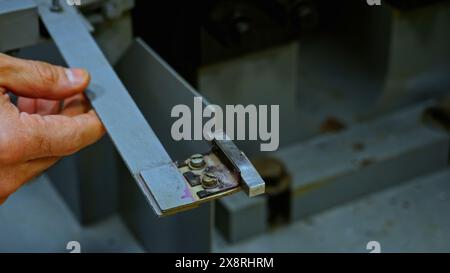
52,119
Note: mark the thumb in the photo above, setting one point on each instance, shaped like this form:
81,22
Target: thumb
36,79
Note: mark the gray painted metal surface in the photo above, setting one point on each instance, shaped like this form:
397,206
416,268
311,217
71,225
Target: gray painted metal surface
239,217
411,217
418,66
19,24
333,169
368,157
155,95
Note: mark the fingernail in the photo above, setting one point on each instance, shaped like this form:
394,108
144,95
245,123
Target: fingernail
76,76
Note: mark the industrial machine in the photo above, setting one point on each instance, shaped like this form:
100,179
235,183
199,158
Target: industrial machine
363,90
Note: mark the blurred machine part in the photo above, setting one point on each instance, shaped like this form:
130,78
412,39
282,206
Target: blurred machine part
19,23
338,168
350,77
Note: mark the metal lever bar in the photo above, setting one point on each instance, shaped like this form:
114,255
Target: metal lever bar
158,177
133,137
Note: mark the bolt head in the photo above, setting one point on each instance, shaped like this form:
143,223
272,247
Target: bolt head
209,180
196,161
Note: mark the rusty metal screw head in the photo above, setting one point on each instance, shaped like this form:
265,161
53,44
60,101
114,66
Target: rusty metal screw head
209,180
196,161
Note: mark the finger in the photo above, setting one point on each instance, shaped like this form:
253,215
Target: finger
27,105
48,107
75,105
38,106
6,107
57,135
4,97
36,79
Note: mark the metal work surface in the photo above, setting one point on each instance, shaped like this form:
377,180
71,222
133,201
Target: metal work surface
138,145
239,218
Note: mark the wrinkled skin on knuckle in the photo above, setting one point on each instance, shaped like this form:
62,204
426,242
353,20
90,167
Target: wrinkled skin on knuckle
36,134
44,144
41,137
70,138
46,73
